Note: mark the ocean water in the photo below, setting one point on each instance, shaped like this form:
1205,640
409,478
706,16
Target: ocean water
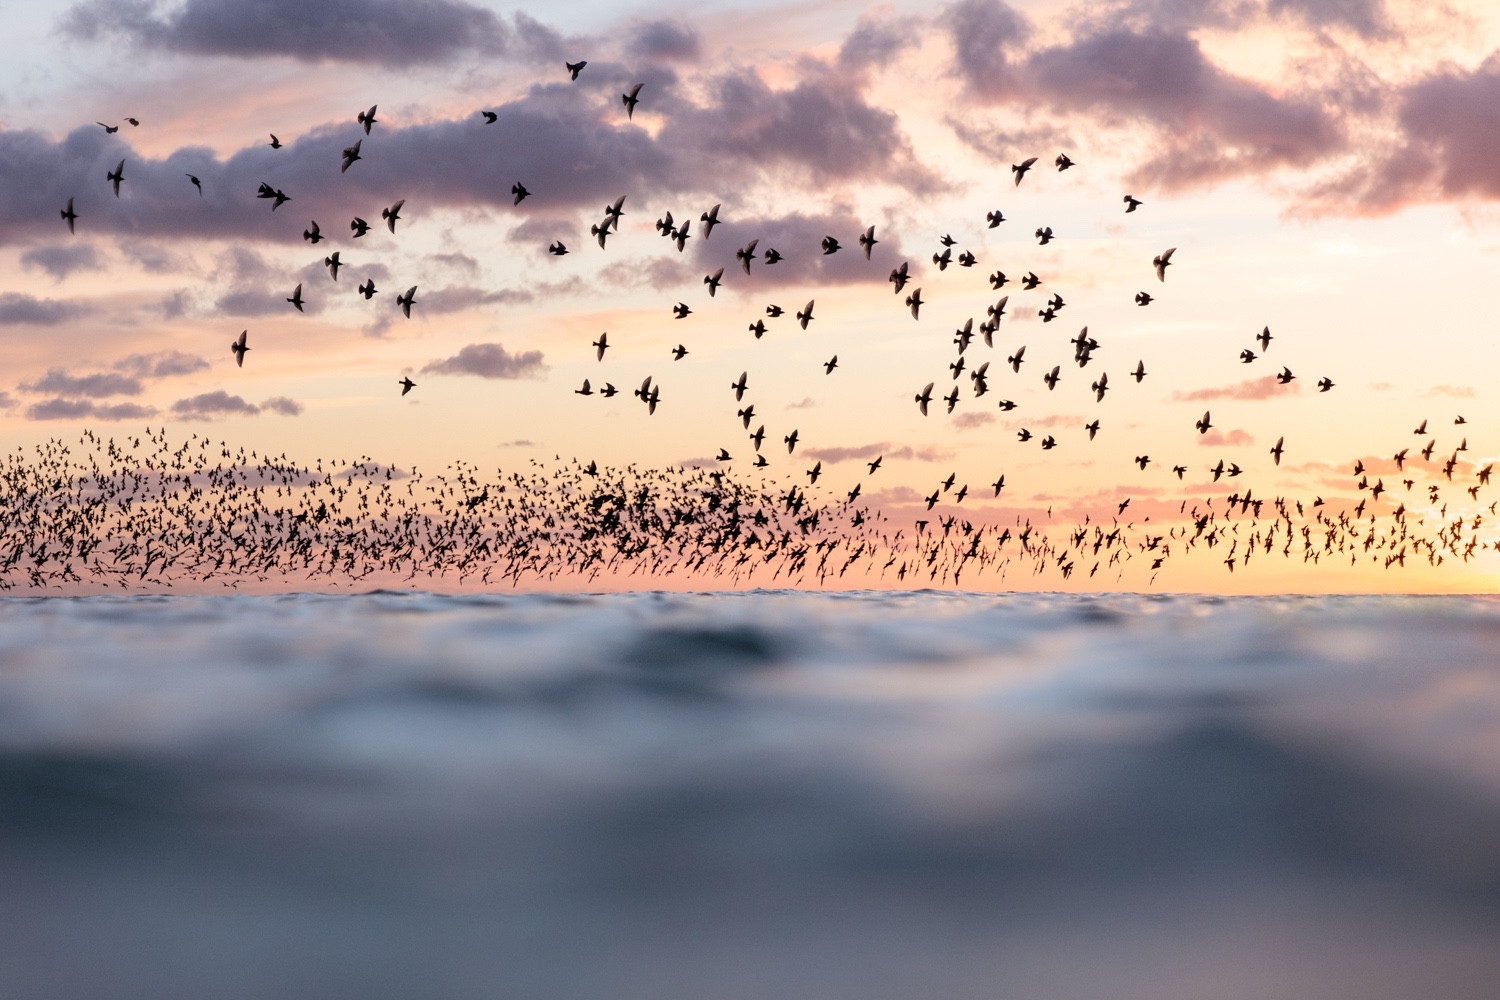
765,794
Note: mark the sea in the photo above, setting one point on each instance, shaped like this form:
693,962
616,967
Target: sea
762,794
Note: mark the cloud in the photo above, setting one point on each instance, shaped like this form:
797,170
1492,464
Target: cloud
160,365
488,361
835,455
62,259
78,409
1453,391
665,40
1250,389
457,299
209,405
876,40
806,403
25,310
94,386
1212,124
971,420
282,405
798,238
392,33
1220,439
1366,18
982,33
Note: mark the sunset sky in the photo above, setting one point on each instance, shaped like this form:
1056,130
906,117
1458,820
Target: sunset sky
1329,169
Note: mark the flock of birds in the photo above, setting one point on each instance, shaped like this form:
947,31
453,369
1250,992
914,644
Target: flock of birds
153,512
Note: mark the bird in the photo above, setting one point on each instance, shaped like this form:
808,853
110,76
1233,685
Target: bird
942,260
1247,356
739,388
1063,163
600,346
899,276
69,216
914,300
1143,298
709,220
994,218
773,310
280,198
367,289
947,240
612,213
1015,359
713,281
1092,427
746,254
867,241
366,118
830,365
490,117
390,215
967,259
312,234
333,264
112,129
1203,423
1019,169
609,390
358,227
406,301
600,233
586,390
630,99
997,281
115,176
556,248
771,256
1160,262
681,311
679,352
1276,450
239,347
758,328
407,385
1142,461
876,464
923,398
296,298
1051,378
830,245
1265,339
1132,203
575,68
1029,280
1044,235
197,183
805,315
1140,371
1324,384
350,154
791,441
519,191
275,143
1285,375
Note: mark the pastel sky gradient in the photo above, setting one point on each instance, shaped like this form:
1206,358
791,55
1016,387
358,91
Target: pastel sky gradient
1329,169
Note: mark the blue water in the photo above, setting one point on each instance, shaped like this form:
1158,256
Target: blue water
766,794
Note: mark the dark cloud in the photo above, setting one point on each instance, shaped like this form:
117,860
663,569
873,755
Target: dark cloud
970,420
93,386
24,310
983,32
62,259
79,409
1366,18
658,272
1452,124
392,33
876,40
664,40
160,365
282,405
864,452
1212,124
209,405
488,361
822,126
457,299
1255,388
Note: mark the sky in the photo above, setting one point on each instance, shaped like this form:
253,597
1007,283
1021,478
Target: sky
1323,169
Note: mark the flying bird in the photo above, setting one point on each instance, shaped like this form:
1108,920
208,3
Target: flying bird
312,234
1063,163
367,289
519,190
713,281
69,216
575,68
1202,423
709,220
915,301
239,348
296,298
1019,169
1143,298
1132,203
406,301
366,118
600,346
115,176
994,218
112,129
805,315
1160,262
407,385
358,227
333,264
830,245
351,153
197,183
867,241
746,254
390,215
556,248
631,99
923,398
490,117
275,143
